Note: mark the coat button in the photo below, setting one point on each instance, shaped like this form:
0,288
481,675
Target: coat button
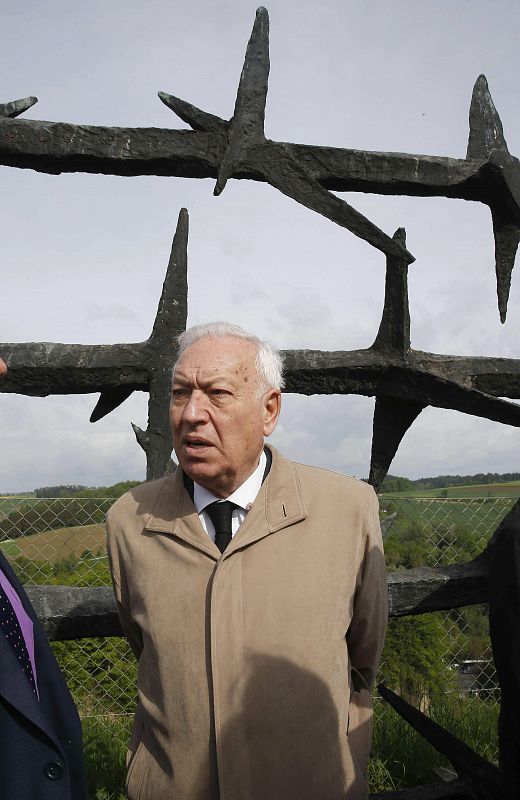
53,770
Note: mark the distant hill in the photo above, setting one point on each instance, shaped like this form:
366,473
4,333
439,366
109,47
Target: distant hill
394,483
86,491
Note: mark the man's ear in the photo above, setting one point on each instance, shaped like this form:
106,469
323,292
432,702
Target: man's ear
272,403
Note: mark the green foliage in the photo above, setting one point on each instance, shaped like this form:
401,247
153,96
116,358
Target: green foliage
420,652
380,777
393,483
58,491
405,546
473,640
105,756
90,570
101,673
112,492
437,533
413,663
33,572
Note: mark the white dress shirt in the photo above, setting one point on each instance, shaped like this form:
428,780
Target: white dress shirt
243,497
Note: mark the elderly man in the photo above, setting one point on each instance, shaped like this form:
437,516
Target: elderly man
40,733
253,592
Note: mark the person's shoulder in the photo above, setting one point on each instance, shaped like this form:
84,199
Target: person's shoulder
321,475
331,477
320,486
139,499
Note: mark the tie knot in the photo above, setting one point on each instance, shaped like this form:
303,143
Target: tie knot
220,514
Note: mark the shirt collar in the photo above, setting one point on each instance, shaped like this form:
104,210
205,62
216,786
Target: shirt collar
244,496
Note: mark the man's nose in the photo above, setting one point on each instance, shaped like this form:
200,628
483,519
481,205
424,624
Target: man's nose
196,408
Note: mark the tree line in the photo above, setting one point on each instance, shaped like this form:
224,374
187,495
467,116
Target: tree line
394,483
72,490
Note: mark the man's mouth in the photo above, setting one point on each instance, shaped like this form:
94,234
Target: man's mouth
196,443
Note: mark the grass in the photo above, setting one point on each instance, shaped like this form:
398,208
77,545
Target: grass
105,741
11,549
401,758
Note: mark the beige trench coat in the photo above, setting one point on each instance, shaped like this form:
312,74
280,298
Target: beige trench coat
254,665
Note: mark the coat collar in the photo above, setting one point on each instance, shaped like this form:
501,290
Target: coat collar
278,504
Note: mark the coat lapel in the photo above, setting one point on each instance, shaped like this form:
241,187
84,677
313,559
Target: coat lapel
278,505
174,513
15,689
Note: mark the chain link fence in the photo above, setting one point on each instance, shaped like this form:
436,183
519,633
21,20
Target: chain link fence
62,541
439,531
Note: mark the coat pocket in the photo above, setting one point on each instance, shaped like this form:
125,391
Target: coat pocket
137,772
360,721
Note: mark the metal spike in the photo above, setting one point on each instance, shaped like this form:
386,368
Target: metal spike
392,418
199,120
507,237
247,124
485,128
143,437
172,311
394,329
17,107
109,399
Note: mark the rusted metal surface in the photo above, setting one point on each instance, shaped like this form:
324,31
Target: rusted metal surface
238,149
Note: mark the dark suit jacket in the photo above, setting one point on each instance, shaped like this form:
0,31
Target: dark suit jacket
40,742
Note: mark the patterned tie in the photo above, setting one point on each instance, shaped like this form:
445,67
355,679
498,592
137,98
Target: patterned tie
12,631
220,514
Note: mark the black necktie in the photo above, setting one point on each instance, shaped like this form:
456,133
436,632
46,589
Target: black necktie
12,631
220,514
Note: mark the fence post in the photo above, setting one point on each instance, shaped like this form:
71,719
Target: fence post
504,621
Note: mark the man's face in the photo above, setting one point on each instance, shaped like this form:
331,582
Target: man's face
3,367
219,413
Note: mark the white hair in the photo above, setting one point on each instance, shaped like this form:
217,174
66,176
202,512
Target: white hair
268,362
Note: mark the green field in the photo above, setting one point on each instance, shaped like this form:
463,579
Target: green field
8,504
10,549
477,490
57,545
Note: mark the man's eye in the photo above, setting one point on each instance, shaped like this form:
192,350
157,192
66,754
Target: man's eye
177,393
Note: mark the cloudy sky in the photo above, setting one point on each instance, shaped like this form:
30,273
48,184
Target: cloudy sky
84,256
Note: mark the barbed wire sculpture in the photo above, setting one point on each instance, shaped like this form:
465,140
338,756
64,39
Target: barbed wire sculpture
404,381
